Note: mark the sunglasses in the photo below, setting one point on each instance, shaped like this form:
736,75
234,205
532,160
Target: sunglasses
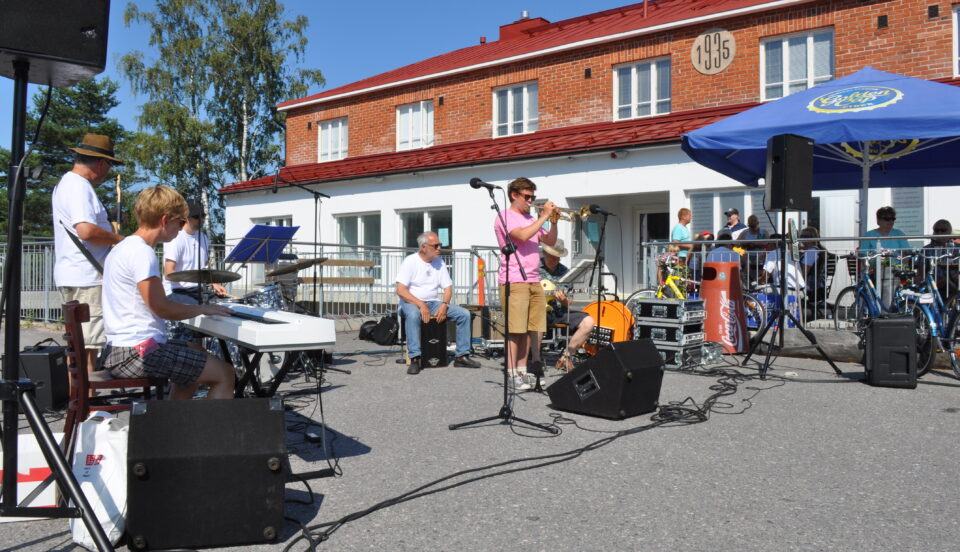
888,219
433,245
529,197
941,230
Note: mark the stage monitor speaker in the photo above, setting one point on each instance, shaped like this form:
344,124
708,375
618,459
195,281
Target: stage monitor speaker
47,367
64,42
891,355
789,173
622,380
205,473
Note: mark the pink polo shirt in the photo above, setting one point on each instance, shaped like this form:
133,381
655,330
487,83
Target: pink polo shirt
529,250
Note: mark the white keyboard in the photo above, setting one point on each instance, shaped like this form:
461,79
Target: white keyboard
267,329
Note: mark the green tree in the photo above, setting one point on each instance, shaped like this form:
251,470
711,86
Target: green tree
73,112
220,67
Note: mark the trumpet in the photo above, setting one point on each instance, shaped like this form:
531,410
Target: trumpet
569,215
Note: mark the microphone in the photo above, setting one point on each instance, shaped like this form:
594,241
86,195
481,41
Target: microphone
596,210
276,177
476,184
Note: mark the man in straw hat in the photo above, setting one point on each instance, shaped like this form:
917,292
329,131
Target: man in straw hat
78,211
580,323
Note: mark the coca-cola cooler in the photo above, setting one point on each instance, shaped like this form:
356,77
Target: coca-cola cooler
725,322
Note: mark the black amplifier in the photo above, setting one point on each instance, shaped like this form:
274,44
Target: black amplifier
47,367
891,359
670,333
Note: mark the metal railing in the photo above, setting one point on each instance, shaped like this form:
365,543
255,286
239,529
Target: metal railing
819,271
356,281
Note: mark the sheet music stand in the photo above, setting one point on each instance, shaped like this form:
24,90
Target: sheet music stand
578,273
262,244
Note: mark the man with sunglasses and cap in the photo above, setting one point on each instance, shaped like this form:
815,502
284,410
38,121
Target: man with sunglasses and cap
733,225
181,254
420,277
82,234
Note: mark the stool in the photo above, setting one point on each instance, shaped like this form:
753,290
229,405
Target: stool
83,383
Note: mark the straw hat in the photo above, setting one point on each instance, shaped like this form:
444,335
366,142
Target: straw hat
557,249
97,145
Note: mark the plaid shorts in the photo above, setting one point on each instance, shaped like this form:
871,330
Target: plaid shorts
173,360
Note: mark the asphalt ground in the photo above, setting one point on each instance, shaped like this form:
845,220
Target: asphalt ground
804,460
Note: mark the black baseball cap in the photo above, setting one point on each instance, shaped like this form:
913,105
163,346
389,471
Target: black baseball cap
731,211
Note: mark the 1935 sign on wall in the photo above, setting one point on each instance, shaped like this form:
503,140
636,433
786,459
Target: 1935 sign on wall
713,51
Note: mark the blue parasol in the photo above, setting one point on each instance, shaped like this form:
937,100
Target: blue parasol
869,128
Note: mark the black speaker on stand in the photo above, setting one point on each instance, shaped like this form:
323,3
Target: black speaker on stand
622,380
789,173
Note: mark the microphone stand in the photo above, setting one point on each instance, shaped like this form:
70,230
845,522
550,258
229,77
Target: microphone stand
316,237
506,413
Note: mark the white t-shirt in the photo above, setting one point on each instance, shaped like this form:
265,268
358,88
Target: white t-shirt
127,320
182,250
424,280
771,265
74,201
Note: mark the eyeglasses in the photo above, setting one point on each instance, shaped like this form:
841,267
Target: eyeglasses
941,230
529,197
888,219
433,245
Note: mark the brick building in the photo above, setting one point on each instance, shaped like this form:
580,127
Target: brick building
591,109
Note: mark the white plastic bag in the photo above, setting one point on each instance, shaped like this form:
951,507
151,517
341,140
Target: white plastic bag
100,466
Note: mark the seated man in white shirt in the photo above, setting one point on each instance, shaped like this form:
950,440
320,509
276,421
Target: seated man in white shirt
135,306
421,275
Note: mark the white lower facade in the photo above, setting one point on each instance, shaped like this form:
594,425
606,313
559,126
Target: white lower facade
643,187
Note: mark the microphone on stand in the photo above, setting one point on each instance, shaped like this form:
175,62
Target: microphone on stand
476,184
597,210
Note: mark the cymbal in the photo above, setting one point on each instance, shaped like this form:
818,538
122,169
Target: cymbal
204,276
295,267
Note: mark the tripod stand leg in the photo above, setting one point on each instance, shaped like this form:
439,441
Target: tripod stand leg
756,343
813,341
67,481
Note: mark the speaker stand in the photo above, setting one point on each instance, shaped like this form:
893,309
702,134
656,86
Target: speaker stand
781,313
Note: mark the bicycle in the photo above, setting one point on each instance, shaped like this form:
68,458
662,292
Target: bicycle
932,314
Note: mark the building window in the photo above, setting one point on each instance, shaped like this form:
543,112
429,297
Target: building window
956,39
415,125
359,238
334,139
286,220
438,221
793,63
516,109
642,89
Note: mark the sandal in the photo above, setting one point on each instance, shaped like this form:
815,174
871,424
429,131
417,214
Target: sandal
564,363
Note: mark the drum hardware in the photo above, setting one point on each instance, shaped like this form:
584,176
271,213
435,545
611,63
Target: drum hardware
204,276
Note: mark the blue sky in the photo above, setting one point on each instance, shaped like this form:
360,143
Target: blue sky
348,40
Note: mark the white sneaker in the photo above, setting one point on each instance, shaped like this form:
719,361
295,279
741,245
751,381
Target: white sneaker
520,383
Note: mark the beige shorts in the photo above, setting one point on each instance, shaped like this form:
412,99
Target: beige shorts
93,336
528,308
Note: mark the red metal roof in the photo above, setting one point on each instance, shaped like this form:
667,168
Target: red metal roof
547,143
544,38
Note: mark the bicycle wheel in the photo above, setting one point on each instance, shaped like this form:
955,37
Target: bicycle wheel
646,293
951,336
849,310
926,341
756,312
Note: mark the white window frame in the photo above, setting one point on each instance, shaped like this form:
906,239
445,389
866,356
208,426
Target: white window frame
956,40
811,79
634,102
361,226
339,140
427,221
531,109
422,113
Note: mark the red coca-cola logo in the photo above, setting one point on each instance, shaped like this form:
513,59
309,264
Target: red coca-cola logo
94,459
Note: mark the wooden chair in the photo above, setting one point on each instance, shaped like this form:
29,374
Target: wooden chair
84,383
